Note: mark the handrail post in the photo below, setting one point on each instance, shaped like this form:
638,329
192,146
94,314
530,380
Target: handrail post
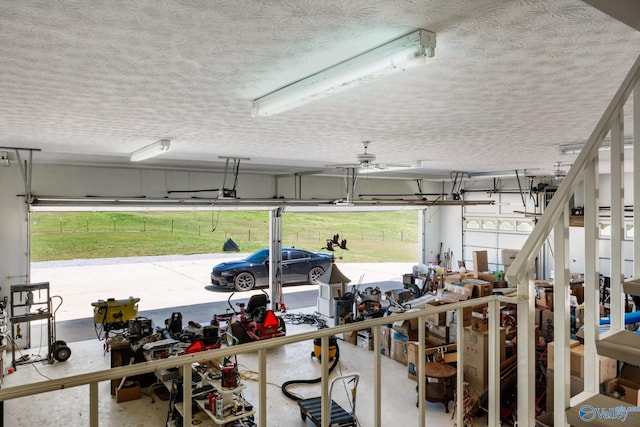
187,378
526,351
93,404
460,363
494,363
325,400
377,377
636,170
561,318
262,396
591,277
422,377
617,221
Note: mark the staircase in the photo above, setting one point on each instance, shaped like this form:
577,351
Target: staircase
589,407
623,346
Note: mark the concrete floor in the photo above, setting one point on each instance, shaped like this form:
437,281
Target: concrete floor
167,284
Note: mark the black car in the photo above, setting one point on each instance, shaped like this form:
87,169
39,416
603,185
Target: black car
298,266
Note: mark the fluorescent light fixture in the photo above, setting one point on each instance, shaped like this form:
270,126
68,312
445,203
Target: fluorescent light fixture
397,55
152,150
390,168
497,174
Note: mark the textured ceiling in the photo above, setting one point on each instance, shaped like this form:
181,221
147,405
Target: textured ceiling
90,82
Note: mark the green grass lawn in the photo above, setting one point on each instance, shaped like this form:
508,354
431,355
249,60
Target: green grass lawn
371,236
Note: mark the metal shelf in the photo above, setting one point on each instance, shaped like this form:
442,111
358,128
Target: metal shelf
24,297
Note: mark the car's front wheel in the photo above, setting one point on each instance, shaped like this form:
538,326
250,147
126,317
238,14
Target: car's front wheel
244,282
314,275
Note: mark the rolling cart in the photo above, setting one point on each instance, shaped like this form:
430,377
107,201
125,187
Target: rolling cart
31,302
340,417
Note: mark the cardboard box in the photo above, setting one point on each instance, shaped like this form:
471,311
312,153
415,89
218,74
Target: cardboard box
544,296
365,340
406,327
129,392
630,372
399,351
551,351
509,315
448,352
457,277
476,357
465,290
466,317
481,288
438,319
480,318
578,292
546,325
576,385
350,337
412,360
480,262
385,346
399,295
487,276
508,256
438,335
608,366
625,390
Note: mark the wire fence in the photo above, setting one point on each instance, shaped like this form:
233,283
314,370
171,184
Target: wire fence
257,234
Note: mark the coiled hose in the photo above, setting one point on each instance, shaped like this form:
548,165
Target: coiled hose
286,384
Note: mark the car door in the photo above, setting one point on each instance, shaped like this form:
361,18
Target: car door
286,267
299,265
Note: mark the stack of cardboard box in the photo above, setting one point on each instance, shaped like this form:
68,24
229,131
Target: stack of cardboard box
627,386
608,370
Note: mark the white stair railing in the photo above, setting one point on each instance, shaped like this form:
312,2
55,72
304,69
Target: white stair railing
554,224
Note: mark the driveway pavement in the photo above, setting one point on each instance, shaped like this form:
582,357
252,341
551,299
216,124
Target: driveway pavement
167,284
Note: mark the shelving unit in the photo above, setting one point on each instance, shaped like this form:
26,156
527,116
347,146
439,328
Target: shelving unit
29,303
229,397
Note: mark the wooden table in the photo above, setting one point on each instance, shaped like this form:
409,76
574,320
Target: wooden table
442,389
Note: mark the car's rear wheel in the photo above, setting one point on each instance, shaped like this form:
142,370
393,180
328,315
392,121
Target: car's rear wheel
314,275
244,282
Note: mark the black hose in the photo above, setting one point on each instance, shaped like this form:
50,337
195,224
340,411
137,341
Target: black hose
286,384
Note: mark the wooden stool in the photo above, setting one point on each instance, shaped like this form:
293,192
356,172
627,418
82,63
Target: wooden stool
442,390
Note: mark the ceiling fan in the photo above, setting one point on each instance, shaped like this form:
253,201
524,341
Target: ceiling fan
557,172
366,163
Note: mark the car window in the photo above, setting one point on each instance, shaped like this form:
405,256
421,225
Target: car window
299,255
259,257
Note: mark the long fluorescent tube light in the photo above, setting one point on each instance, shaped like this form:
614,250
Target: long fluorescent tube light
397,55
497,174
152,150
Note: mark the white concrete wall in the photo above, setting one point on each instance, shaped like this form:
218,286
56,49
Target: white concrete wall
14,261
507,204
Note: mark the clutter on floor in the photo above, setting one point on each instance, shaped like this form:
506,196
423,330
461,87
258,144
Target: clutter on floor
435,285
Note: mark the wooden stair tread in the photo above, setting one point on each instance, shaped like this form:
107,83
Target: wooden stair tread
623,345
632,286
613,406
